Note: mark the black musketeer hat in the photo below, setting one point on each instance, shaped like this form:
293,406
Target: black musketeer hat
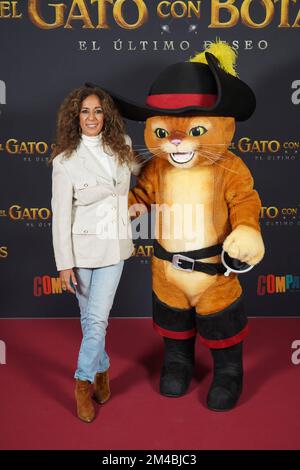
193,89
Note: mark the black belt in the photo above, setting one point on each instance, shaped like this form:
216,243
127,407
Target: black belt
186,261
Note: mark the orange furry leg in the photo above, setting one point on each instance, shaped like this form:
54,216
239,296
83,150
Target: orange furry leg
164,290
219,296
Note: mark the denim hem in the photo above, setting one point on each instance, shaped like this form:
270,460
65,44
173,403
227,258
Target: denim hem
84,378
101,371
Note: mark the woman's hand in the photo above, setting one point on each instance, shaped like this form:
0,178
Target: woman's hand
66,276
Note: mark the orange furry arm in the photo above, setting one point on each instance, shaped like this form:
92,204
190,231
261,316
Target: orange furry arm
143,194
243,201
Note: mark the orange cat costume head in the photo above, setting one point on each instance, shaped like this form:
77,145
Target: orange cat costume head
190,118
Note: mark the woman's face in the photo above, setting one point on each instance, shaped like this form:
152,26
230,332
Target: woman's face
91,116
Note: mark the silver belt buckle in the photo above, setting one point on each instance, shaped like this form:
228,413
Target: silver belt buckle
176,260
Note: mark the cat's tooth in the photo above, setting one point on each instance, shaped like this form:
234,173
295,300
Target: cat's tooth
182,157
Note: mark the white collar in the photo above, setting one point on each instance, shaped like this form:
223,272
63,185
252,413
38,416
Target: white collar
91,141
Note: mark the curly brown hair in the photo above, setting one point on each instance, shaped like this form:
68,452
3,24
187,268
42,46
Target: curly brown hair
68,129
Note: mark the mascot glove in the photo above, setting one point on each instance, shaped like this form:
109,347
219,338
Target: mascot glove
246,244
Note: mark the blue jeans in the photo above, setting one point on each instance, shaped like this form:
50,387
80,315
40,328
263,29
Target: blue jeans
95,291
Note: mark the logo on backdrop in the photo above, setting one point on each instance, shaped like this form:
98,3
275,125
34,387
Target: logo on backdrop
2,92
169,45
271,284
295,97
32,216
133,14
268,150
142,253
166,16
29,150
46,285
3,252
274,216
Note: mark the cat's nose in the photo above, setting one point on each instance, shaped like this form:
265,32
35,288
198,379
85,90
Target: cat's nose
176,141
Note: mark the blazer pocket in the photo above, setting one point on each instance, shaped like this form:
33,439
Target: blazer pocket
87,191
85,184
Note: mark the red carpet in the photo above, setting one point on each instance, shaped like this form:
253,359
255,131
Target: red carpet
37,409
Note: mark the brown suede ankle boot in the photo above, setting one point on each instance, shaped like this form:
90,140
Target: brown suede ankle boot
101,387
85,407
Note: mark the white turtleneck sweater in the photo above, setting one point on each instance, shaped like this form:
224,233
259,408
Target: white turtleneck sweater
94,144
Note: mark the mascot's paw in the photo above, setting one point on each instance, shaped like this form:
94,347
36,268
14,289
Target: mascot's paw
175,379
246,244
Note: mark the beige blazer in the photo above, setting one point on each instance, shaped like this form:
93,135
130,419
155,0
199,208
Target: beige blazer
90,223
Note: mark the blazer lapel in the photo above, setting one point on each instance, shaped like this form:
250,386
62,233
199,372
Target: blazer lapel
91,163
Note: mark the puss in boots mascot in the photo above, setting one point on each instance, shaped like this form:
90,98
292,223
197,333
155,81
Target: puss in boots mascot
190,116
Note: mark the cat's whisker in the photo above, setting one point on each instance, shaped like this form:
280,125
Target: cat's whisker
212,148
155,154
213,155
213,145
145,147
219,164
141,150
213,158
150,154
144,152
149,149
219,156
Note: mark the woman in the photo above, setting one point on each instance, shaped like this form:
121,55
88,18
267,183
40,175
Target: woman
92,160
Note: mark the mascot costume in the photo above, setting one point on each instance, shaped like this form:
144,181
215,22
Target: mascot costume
190,116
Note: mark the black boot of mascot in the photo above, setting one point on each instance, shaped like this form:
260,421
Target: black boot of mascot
178,366
178,329
223,333
227,383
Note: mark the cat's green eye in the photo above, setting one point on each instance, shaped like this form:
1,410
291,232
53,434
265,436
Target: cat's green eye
197,131
161,133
